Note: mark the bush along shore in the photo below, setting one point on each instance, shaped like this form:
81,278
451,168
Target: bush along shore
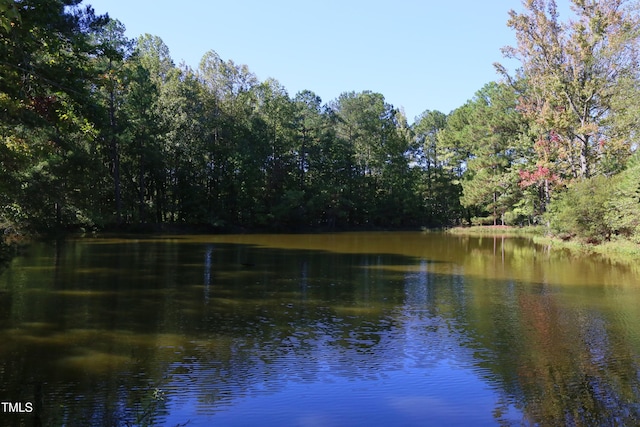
11,244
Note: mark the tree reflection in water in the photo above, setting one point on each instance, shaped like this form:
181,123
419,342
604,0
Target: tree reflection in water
344,329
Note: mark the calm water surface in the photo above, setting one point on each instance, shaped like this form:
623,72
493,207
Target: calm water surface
375,329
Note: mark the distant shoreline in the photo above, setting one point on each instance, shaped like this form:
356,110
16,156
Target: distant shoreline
616,250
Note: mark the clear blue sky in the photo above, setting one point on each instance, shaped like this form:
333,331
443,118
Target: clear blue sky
420,54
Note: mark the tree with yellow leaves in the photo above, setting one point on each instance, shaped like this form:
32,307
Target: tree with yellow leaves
573,76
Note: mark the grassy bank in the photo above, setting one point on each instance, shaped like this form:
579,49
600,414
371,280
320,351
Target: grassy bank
615,250
499,230
618,249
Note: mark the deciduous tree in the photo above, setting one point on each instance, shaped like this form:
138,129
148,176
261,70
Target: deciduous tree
572,72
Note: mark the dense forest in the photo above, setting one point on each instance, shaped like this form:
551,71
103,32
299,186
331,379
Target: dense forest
101,131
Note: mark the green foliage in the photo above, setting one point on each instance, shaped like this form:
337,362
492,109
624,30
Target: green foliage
578,74
623,206
97,129
377,141
45,91
436,185
600,208
581,211
9,14
485,137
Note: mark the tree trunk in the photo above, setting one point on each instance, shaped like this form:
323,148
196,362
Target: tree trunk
584,157
495,213
142,189
115,157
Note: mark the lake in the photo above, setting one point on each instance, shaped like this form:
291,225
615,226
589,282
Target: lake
345,329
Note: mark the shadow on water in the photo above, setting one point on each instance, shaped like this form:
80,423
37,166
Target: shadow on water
331,329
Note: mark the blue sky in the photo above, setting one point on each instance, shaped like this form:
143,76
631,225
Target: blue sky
419,54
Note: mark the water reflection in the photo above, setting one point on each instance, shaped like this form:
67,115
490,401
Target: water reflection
340,329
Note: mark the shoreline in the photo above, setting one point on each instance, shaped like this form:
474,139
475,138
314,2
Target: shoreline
615,250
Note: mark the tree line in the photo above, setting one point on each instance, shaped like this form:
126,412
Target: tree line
100,130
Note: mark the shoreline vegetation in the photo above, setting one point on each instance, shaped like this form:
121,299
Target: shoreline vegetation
12,244
99,129
618,250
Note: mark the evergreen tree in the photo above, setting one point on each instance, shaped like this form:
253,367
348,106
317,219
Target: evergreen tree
45,111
